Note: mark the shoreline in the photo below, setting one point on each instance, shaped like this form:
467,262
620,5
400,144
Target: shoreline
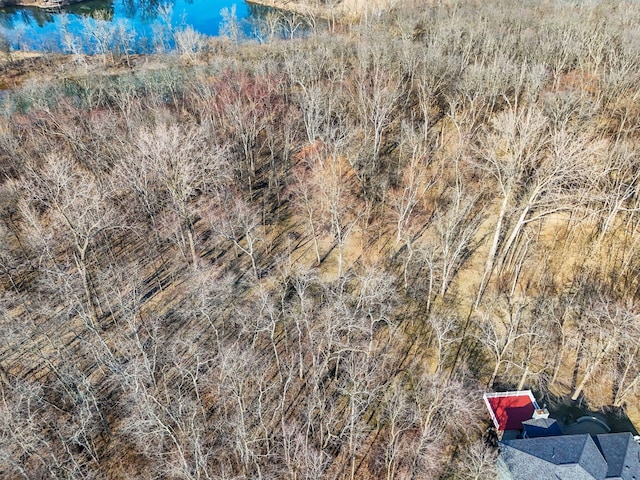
344,11
300,8
44,4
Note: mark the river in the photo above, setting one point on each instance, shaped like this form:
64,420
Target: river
136,25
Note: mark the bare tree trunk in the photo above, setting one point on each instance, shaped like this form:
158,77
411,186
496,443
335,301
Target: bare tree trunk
192,248
488,269
523,378
591,370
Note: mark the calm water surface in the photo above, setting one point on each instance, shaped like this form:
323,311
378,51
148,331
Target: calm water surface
141,23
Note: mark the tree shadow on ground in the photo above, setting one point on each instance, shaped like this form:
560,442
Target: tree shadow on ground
567,412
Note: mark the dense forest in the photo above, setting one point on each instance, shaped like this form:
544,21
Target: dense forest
306,258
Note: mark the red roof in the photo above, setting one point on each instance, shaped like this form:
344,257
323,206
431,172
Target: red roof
509,410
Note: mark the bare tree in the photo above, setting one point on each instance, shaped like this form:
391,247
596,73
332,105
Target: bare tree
239,222
515,142
626,377
376,90
444,326
418,176
439,405
501,329
186,167
397,415
79,209
455,226
617,186
477,462
539,173
304,194
605,326
243,107
333,185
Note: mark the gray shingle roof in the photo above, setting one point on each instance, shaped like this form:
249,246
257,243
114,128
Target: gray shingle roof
568,457
541,427
612,456
622,454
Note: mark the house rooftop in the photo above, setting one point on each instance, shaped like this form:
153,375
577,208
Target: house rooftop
612,456
566,457
544,452
541,427
622,454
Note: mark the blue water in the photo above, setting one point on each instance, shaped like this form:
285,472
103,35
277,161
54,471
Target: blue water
141,25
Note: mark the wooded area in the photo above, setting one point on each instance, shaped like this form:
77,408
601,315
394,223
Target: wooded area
307,258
